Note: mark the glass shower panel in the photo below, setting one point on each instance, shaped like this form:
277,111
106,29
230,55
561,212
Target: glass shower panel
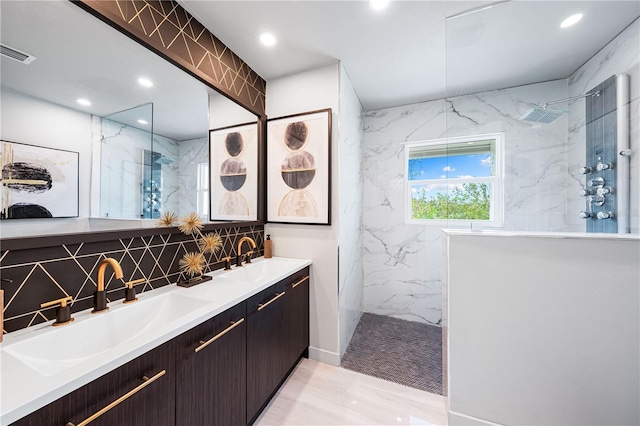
125,140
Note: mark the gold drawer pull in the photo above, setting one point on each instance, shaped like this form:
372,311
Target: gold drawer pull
261,306
300,282
233,325
147,381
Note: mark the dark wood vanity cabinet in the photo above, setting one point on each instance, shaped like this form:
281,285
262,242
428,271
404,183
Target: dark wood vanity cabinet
296,318
277,336
221,372
143,390
211,371
265,339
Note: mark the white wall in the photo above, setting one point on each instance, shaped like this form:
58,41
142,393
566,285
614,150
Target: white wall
31,121
350,267
540,333
308,91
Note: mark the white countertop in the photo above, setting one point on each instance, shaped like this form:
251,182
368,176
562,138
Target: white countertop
23,390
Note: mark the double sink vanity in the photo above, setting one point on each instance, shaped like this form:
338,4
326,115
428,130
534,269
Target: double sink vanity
211,354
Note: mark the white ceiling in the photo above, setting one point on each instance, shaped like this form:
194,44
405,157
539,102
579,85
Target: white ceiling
78,56
406,54
409,52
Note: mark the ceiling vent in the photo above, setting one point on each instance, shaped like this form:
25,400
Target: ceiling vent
16,55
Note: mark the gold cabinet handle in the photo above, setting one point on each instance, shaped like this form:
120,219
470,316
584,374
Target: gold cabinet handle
300,282
146,382
261,306
233,325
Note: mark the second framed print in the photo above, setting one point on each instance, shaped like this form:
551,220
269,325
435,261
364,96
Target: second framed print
299,168
233,165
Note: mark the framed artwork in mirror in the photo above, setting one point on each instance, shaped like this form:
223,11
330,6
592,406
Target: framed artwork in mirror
299,168
38,182
233,171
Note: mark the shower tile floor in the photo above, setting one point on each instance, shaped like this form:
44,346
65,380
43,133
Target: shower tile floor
404,352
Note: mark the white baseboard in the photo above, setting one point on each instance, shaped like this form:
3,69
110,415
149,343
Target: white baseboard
458,419
331,358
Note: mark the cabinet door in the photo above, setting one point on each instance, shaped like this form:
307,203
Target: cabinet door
296,318
211,383
265,338
139,393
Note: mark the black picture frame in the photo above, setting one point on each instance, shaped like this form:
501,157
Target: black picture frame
299,168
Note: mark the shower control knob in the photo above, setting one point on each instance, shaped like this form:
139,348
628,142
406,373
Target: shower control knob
585,192
604,191
604,166
605,215
585,170
597,200
596,182
585,215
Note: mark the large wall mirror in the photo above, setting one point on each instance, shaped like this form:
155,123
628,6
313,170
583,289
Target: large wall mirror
143,150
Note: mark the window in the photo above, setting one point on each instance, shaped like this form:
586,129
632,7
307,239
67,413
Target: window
202,189
455,180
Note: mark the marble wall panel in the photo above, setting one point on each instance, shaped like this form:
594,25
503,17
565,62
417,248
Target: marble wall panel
402,262
350,262
192,153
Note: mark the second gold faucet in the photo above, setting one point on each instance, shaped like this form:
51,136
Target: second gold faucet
100,296
248,254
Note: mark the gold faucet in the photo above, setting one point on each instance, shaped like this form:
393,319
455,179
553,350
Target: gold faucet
239,258
100,296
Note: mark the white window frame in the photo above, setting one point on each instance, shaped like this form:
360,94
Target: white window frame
202,188
497,183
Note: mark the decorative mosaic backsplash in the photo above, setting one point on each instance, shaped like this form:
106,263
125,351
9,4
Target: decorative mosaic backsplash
171,31
32,276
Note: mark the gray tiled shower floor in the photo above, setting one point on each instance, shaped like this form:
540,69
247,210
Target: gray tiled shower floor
400,351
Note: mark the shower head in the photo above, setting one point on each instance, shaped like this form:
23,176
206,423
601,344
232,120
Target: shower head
542,115
546,116
164,160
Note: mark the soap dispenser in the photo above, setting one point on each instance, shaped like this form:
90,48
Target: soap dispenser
268,247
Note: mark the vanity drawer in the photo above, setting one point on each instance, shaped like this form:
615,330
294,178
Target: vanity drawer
140,392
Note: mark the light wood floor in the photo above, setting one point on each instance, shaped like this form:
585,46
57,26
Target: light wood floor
320,394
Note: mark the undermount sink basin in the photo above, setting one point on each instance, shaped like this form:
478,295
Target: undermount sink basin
259,270
59,348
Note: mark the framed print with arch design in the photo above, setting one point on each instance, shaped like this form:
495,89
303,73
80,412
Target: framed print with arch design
233,171
299,168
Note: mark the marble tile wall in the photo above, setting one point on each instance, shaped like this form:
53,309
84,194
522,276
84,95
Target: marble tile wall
122,155
350,267
403,263
170,166
620,56
191,153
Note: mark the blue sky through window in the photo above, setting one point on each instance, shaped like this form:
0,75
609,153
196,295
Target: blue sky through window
449,167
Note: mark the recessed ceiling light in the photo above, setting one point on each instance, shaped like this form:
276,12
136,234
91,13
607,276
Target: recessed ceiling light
571,20
145,82
267,39
379,4
141,121
84,102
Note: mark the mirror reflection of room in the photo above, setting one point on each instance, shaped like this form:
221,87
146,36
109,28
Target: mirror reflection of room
139,124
